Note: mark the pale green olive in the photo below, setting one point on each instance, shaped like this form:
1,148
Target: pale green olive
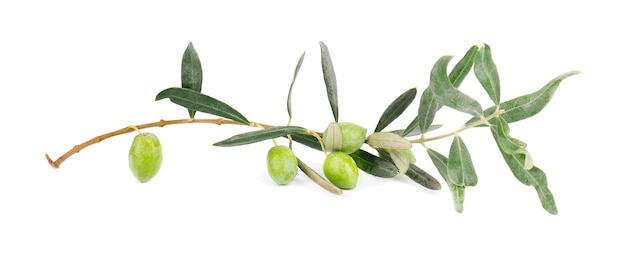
145,156
352,136
282,164
341,170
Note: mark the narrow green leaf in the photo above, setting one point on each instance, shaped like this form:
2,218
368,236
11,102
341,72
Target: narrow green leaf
373,164
509,144
414,172
532,176
428,104
426,111
295,75
307,140
448,95
397,107
526,106
318,179
458,192
545,196
330,80
260,135
421,177
191,72
416,131
460,168
516,163
203,103
487,73
463,67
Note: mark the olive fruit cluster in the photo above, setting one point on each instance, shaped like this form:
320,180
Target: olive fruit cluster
342,139
145,156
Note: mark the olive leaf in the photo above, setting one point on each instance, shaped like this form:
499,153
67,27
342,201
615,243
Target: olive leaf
422,177
400,160
295,75
414,172
203,103
428,106
330,80
448,95
526,106
260,135
373,164
387,140
487,74
523,169
317,178
533,177
415,132
460,167
191,72
544,193
397,107
508,144
458,192
307,140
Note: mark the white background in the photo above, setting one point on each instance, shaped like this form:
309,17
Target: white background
70,71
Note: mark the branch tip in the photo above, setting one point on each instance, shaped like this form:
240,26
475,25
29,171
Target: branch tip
51,162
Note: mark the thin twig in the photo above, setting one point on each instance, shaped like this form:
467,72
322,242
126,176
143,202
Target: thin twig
128,129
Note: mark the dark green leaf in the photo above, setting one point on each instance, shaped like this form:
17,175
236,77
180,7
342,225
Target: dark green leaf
307,140
448,95
487,73
460,168
295,75
458,192
415,173
203,103
373,164
422,177
396,108
428,104
528,105
191,72
330,80
260,135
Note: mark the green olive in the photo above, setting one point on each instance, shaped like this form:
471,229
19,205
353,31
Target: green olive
282,164
352,136
145,156
341,170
